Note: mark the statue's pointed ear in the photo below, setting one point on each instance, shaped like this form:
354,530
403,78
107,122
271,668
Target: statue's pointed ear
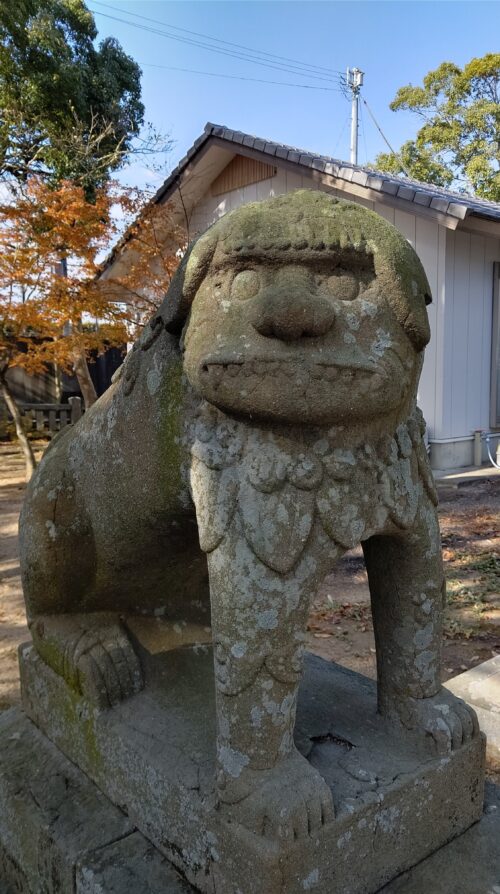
186,282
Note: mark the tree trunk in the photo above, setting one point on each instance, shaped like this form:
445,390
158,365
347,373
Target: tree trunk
80,365
82,373
13,409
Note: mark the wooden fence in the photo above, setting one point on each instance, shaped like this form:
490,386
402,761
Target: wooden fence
51,418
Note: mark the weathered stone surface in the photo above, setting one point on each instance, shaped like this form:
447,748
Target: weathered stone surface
468,865
480,686
12,878
274,396
51,815
155,754
131,866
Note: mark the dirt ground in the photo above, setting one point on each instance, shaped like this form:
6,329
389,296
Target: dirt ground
340,627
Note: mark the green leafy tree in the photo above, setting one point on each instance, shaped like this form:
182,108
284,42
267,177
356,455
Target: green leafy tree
459,141
69,110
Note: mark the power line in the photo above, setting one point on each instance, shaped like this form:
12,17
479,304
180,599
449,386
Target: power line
362,122
241,57
341,134
294,62
377,125
215,74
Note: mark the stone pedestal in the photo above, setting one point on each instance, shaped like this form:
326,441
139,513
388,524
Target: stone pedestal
59,834
153,756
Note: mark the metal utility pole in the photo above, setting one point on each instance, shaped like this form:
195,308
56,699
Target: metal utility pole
354,82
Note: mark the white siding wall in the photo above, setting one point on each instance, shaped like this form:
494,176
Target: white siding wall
467,337
428,239
454,388
210,208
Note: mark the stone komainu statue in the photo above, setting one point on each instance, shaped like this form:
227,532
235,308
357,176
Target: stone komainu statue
264,423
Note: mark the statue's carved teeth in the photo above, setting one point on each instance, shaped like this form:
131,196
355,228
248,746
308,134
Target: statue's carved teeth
347,375
234,369
216,372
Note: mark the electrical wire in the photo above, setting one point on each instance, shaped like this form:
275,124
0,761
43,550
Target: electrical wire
362,123
241,57
215,74
272,56
386,141
341,134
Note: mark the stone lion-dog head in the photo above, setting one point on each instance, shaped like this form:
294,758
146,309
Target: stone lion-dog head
302,309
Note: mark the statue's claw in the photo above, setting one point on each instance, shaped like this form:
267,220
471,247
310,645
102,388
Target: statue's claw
107,666
93,653
447,720
290,801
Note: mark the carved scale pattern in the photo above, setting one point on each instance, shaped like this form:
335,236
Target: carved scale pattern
281,490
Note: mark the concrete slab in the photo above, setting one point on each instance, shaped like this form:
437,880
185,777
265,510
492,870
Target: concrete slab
154,755
480,686
452,477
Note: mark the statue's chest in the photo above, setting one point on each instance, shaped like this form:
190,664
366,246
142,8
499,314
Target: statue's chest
278,490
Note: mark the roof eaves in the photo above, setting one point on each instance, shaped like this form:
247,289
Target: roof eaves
439,203
405,192
359,177
458,210
413,192
422,198
389,187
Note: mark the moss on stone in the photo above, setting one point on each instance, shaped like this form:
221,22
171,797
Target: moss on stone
170,431
308,221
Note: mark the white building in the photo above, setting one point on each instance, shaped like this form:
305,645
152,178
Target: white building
456,237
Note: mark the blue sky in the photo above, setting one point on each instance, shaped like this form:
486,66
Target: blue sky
394,43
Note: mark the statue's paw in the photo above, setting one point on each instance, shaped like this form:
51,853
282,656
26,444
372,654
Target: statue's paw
289,802
447,720
107,666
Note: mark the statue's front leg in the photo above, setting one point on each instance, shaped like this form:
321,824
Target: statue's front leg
407,587
258,619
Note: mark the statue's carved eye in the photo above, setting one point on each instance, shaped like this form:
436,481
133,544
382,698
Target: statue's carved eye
342,285
245,285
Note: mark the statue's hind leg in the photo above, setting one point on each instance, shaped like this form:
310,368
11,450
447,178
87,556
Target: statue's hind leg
407,587
93,654
90,649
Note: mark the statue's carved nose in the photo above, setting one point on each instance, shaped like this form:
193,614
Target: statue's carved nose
289,312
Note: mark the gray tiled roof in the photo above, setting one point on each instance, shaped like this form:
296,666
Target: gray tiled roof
444,200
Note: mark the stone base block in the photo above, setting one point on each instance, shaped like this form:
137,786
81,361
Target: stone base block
59,834
469,864
153,756
89,863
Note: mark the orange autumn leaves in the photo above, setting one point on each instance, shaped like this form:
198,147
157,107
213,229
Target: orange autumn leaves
52,302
